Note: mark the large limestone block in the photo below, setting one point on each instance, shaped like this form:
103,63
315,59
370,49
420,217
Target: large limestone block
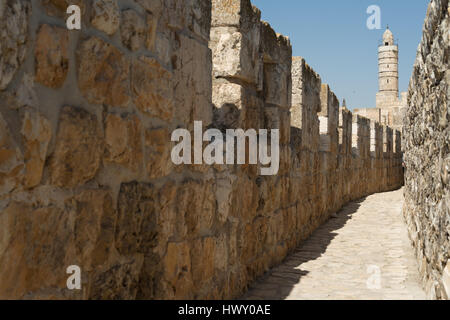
152,88
38,244
78,150
196,202
34,250
236,54
178,270
103,73
203,261
276,48
345,131
158,153
329,107
36,133
108,276
136,230
123,141
371,113
176,15
11,160
277,85
236,106
14,16
133,30
237,13
106,16
93,228
199,17
306,88
192,79
52,57
119,280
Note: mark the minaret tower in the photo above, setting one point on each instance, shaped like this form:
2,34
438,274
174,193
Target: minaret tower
387,71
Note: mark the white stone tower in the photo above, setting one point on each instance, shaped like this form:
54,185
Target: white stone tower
390,108
387,71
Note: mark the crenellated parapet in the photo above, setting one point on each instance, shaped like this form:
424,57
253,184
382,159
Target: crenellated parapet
86,166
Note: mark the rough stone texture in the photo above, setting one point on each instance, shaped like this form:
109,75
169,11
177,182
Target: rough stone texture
78,150
132,30
14,20
103,73
123,139
36,133
152,88
427,156
106,16
52,61
11,160
86,176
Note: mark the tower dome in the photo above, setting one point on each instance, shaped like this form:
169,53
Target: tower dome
388,38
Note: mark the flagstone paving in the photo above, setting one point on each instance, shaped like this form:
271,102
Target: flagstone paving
363,253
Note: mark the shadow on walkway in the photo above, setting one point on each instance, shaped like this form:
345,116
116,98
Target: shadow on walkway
278,283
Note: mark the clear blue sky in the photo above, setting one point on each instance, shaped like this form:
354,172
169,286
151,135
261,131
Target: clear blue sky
333,38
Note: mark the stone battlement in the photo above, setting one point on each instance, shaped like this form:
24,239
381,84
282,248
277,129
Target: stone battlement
85,167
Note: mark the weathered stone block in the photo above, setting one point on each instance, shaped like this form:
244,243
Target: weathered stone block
36,132
158,153
202,261
236,54
177,270
78,150
136,230
192,79
103,73
11,160
14,21
30,268
94,227
195,201
306,87
234,13
106,16
277,85
123,141
152,88
51,52
133,30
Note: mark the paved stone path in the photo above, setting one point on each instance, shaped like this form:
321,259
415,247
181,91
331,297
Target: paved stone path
343,258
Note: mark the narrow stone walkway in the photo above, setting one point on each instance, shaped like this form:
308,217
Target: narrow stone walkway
364,253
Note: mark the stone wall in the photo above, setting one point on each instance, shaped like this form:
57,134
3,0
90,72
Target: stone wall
427,157
86,176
